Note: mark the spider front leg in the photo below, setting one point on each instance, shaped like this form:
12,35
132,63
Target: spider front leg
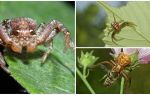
61,28
4,37
48,31
4,40
113,36
111,63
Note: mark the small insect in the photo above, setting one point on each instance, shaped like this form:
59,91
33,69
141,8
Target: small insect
118,65
22,34
116,27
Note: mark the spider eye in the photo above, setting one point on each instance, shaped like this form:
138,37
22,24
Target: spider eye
16,33
32,32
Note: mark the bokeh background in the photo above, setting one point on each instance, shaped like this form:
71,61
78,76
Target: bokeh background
140,78
91,21
41,11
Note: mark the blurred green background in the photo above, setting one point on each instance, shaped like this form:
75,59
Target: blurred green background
140,78
89,29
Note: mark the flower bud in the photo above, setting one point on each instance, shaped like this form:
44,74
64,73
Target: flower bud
87,59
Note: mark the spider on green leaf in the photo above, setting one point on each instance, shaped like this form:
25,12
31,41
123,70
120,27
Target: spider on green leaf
117,26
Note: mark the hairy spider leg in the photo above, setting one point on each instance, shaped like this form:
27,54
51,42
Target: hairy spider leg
3,64
4,37
104,62
50,48
113,62
68,42
61,28
49,40
48,31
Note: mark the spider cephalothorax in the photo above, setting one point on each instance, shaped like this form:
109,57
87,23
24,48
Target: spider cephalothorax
22,33
116,27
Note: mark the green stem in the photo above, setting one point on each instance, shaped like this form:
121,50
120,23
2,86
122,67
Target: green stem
85,81
109,9
84,72
122,85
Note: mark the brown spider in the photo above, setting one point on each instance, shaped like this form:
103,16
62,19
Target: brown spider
117,26
118,65
22,34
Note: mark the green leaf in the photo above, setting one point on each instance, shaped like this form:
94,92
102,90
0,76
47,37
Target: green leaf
136,12
56,75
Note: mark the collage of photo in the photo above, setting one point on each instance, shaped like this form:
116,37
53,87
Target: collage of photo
74,47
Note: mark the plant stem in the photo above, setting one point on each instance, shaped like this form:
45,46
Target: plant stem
122,85
85,81
107,7
84,72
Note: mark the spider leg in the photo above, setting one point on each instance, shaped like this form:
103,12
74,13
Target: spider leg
114,38
111,63
50,47
47,31
130,24
3,64
114,17
68,42
121,21
103,77
110,30
4,37
127,78
40,28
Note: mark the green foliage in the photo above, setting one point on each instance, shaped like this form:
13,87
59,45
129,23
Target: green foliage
89,26
56,75
136,12
87,59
